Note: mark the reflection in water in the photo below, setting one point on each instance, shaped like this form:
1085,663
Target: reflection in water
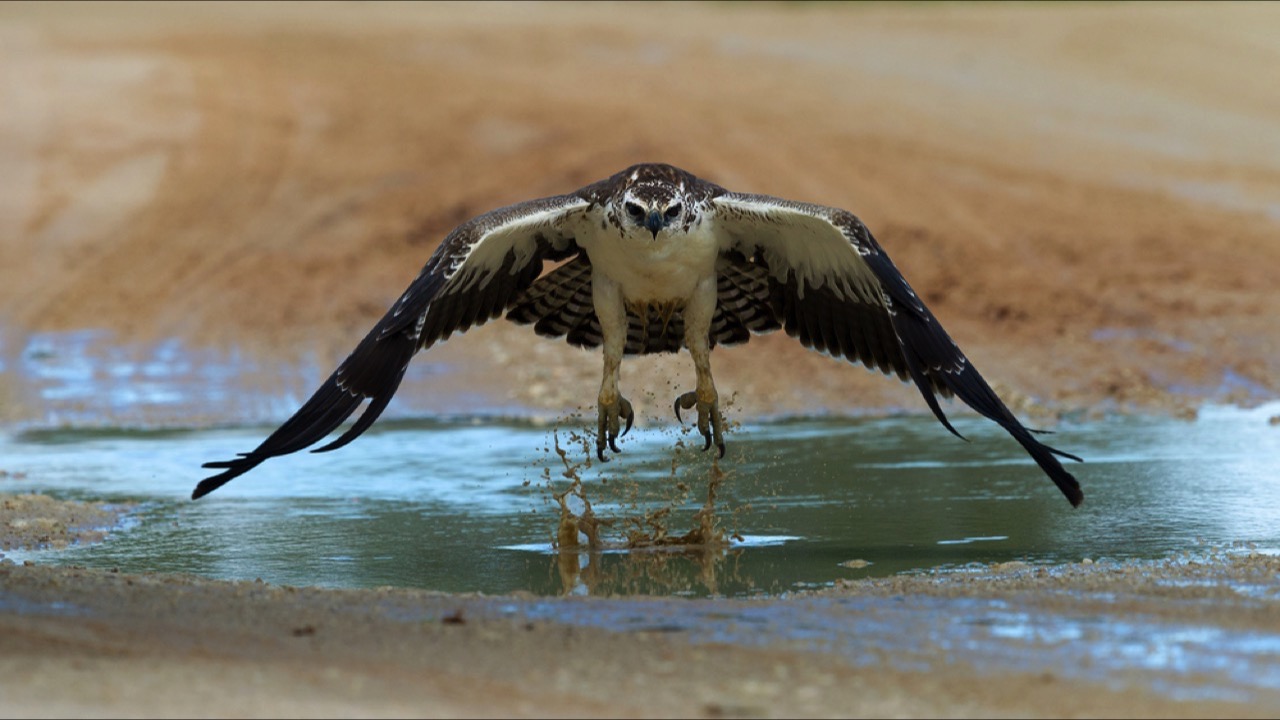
683,570
672,570
654,564
457,506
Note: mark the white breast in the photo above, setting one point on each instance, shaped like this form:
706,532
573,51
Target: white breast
651,270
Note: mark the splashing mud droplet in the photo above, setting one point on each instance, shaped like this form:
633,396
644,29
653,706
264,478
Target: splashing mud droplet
645,513
572,523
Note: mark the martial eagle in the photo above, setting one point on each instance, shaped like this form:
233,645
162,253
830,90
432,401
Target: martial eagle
653,259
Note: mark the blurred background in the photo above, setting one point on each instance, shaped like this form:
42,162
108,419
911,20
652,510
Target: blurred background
203,207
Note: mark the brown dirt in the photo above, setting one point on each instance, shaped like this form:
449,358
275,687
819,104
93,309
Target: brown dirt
1084,194
88,642
38,521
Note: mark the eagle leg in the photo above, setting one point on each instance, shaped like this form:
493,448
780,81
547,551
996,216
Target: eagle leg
698,313
611,311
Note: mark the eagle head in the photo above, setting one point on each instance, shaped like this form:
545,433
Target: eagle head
652,200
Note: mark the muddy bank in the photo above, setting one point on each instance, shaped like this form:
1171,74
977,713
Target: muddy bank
33,521
100,643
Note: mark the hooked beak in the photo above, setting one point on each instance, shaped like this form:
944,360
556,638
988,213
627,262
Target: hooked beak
654,223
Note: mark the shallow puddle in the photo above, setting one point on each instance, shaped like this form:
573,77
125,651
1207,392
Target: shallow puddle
469,506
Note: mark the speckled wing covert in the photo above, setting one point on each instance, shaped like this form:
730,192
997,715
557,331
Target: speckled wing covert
475,274
831,286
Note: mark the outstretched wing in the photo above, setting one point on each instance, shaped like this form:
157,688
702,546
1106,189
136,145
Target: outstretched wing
832,286
475,275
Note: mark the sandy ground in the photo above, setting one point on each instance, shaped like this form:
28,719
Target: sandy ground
1084,194
79,642
39,521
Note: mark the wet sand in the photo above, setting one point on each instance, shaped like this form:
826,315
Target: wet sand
1084,194
39,521
81,642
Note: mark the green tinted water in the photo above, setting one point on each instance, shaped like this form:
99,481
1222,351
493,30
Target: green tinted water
467,507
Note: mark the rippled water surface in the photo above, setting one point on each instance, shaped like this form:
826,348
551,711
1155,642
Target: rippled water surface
468,506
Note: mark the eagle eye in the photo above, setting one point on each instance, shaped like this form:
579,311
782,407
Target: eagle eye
673,211
635,210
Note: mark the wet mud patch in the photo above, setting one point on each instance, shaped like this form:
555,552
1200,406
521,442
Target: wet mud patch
38,522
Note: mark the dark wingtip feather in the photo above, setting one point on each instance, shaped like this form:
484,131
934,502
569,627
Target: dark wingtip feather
1044,457
373,370
370,414
1066,455
926,390
925,344
969,386
235,468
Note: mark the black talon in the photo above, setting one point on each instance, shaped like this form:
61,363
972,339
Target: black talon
721,446
688,400
607,434
708,445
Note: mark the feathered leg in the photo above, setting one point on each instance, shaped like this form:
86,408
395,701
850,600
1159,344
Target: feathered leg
612,407
697,338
